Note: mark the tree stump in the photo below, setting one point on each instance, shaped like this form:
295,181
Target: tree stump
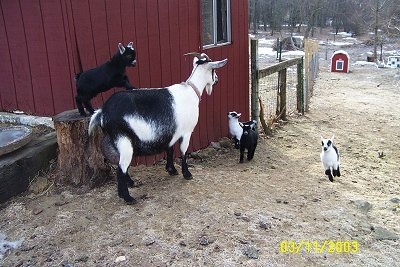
80,161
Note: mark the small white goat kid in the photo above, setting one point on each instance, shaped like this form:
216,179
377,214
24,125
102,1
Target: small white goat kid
330,158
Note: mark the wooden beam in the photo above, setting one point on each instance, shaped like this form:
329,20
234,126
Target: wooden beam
278,67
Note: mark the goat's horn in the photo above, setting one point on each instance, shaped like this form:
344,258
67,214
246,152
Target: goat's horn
206,57
198,55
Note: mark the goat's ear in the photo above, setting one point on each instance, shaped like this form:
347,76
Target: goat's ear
121,48
218,64
130,45
322,139
239,114
333,136
195,59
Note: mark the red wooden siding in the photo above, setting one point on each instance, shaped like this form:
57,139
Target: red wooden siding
43,44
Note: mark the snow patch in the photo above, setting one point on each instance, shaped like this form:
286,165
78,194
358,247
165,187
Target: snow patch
6,245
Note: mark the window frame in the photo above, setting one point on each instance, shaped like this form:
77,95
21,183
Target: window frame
338,62
215,30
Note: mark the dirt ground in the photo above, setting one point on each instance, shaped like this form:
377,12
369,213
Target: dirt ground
234,214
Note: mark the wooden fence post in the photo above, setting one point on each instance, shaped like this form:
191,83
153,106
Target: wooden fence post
80,161
282,94
255,110
300,87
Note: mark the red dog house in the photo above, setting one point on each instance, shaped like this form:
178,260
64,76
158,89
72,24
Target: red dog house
340,61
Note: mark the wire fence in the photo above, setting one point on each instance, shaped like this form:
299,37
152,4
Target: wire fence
282,89
269,93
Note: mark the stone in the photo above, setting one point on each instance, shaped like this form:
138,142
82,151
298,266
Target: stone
395,200
251,252
363,205
120,259
381,233
265,225
215,145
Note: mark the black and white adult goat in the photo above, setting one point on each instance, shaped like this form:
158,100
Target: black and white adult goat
104,77
236,127
330,158
149,121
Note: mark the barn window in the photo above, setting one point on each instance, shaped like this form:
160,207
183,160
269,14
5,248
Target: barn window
216,20
339,64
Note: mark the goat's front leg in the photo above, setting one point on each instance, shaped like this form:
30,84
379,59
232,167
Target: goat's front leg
127,85
241,155
88,106
329,173
169,167
184,146
78,101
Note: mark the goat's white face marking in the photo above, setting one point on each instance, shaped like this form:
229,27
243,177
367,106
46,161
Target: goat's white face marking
234,114
326,143
144,130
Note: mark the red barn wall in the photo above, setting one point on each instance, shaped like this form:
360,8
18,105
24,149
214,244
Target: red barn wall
43,44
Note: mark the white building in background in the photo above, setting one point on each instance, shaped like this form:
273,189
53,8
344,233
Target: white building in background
394,61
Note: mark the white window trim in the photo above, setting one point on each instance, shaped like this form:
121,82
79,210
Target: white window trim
342,61
228,25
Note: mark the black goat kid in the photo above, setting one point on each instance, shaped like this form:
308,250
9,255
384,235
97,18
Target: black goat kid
248,141
104,77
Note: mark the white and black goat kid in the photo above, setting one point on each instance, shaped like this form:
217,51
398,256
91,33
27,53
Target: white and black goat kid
248,141
150,121
330,158
236,127
104,77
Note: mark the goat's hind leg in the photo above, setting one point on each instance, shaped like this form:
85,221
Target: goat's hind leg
169,167
125,150
122,185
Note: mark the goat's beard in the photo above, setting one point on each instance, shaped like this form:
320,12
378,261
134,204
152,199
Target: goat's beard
209,89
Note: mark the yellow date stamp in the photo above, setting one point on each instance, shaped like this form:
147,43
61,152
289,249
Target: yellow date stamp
328,246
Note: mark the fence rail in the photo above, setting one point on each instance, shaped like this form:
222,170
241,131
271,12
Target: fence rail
283,87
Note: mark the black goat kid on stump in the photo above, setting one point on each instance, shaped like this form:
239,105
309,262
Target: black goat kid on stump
104,77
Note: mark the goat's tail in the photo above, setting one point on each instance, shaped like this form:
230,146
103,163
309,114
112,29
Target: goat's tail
95,120
77,76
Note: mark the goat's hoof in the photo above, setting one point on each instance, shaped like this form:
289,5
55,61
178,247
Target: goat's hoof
172,171
330,178
240,161
130,200
188,176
